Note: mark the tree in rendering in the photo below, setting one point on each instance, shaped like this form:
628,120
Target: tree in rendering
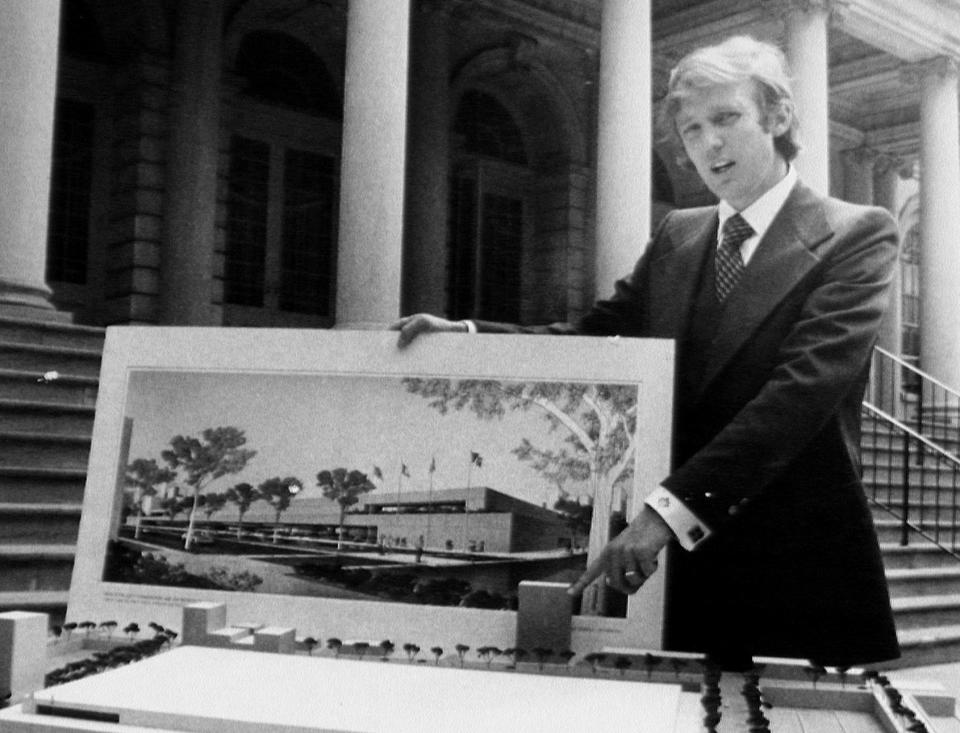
243,495
144,477
217,452
212,503
597,422
345,488
278,493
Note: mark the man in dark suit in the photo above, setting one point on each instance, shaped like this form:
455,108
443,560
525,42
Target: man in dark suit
774,298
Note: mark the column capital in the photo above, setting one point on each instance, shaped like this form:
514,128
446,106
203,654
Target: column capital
861,156
887,162
434,6
780,9
942,66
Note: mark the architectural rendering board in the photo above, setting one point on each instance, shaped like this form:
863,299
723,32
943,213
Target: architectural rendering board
331,482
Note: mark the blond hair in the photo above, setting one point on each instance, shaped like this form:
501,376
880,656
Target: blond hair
737,59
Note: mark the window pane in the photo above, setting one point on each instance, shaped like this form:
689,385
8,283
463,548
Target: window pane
460,264
246,222
500,257
308,244
69,222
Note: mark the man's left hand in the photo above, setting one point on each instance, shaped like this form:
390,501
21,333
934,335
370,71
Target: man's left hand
630,557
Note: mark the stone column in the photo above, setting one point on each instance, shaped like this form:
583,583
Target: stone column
624,131
372,171
428,157
186,270
806,30
889,378
939,219
28,85
858,164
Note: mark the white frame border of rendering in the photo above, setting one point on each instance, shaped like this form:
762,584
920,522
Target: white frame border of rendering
648,363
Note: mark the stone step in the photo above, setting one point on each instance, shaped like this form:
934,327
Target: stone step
71,335
916,582
35,570
50,601
927,645
29,385
34,551
41,523
925,612
43,449
929,474
890,530
41,359
45,417
884,448
915,456
923,554
24,484
931,428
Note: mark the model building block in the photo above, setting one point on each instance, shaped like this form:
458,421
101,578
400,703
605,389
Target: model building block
544,616
23,660
200,620
274,639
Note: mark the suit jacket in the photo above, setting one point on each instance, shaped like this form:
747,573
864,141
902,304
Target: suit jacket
767,436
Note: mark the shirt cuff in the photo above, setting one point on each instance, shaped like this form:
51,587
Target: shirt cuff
471,326
690,531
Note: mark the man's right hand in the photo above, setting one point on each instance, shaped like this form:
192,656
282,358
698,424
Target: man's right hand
412,326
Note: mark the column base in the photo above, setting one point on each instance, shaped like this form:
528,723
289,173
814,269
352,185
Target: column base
29,303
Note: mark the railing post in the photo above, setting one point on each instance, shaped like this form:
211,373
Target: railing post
905,493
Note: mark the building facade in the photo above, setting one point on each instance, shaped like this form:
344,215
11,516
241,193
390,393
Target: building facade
337,163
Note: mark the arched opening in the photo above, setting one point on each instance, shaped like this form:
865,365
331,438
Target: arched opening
283,178
489,211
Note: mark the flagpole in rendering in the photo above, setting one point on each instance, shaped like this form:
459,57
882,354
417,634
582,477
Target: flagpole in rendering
431,471
475,460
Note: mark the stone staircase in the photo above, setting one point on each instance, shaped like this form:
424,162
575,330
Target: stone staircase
924,580
45,430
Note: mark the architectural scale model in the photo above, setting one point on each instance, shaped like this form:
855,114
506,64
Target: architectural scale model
217,675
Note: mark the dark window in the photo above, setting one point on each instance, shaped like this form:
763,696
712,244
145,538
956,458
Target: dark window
500,253
246,222
486,212
278,69
308,238
488,129
463,229
70,189
910,304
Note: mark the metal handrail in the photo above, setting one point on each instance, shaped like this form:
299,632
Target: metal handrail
912,512
927,443
919,372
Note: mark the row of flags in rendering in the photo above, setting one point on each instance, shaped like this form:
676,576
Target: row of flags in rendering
475,460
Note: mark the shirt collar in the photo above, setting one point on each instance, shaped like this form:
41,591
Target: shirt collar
761,213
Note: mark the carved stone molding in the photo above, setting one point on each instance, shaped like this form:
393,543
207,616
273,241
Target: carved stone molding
888,163
862,156
780,9
942,66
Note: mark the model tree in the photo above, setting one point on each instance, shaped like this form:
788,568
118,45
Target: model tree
144,476
598,422
217,452
212,503
345,488
278,493
243,495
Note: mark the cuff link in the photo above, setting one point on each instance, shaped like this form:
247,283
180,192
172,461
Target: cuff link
695,534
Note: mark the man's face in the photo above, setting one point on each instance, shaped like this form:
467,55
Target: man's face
730,143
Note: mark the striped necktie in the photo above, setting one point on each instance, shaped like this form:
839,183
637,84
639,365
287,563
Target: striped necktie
729,262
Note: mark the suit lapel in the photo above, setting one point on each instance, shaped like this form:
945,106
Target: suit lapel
782,259
677,273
